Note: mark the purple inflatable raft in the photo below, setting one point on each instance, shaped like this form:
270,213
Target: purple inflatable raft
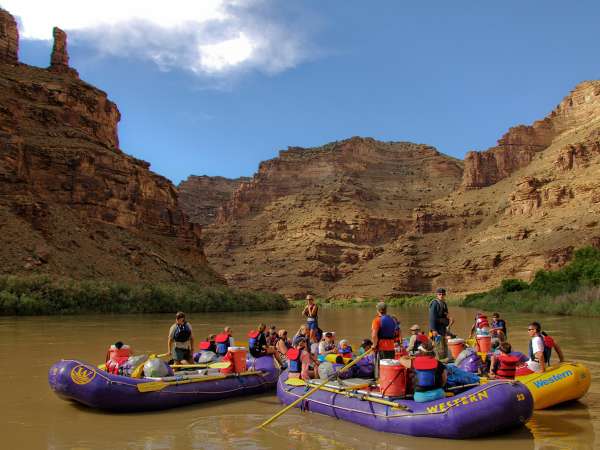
84,383
484,409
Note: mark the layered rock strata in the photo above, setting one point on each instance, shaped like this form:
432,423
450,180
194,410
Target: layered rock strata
9,39
71,202
362,218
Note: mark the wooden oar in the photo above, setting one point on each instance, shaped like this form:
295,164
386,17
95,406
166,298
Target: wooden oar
153,386
215,365
315,389
348,393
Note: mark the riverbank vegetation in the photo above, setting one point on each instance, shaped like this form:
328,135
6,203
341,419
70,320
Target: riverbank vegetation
415,301
573,289
45,295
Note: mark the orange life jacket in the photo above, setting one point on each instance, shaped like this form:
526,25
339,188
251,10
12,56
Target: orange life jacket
507,365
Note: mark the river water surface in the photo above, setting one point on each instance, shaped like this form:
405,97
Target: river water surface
32,417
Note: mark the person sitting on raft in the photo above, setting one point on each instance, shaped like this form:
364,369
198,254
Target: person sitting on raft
301,334
272,336
345,349
223,341
257,342
366,365
429,374
416,339
117,355
540,350
282,346
504,362
180,342
299,360
498,326
327,344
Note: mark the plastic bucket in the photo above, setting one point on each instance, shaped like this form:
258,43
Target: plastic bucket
456,346
239,358
392,378
484,343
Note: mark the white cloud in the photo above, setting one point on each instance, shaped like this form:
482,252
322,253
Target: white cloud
211,37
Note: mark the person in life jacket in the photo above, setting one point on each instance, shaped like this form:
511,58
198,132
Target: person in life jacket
504,363
299,360
539,353
311,311
429,374
327,344
116,356
208,345
383,332
439,321
180,342
281,348
223,341
345,349
416,339
257,342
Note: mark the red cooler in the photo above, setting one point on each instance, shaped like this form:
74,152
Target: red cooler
456,346
392,378
239,358
484,343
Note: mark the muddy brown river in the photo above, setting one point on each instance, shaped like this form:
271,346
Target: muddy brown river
32,417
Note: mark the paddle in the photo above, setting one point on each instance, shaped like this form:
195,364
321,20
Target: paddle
153,386
316,388
347,392
215,365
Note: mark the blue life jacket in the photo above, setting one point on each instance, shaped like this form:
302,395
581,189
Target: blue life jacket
182,332
387,327
222,341
253,340
425,371
294,357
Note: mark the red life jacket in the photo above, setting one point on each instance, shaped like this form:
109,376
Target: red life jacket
222,338
222,341
116,357
204,345
507,365
294,357
422,338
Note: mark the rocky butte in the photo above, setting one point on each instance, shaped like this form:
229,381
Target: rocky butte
363,218
71,202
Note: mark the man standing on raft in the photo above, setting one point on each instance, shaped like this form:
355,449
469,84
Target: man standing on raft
383,331
311,311
439,322
180,343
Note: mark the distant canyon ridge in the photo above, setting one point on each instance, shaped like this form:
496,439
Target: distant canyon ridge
353,218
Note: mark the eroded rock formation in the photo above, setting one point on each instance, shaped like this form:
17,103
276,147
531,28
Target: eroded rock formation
517,148
362,218
9,39
71,202
59,59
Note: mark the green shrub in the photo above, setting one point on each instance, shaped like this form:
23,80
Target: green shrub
513,285
45,295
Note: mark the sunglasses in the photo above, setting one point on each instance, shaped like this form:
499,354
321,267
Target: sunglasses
531,329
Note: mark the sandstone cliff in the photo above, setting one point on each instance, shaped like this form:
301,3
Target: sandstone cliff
71,202
367,218
202,196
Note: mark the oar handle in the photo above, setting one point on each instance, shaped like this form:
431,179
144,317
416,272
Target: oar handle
313,390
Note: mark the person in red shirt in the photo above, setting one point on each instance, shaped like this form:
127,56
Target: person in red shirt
383,332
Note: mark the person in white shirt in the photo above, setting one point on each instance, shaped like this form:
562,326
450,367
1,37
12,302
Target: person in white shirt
536,362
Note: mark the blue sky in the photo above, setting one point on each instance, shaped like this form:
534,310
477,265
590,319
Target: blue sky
218,95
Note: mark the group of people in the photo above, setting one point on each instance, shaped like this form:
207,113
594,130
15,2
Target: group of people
310,347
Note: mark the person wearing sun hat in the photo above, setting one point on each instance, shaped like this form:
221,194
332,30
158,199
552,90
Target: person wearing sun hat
416,338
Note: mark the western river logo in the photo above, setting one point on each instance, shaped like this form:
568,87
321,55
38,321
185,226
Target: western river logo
464,400
553,379
82,374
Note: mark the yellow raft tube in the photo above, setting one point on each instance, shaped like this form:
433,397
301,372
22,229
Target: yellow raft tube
558,384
